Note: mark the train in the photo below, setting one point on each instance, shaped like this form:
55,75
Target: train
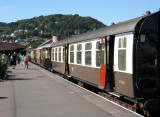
122,59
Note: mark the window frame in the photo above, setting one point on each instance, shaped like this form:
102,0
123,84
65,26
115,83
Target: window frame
59,54
79,51
122,46
55,54
71,51
88,50
92,54
98,50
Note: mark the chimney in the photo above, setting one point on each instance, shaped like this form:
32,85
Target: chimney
148,12
112,23
56,38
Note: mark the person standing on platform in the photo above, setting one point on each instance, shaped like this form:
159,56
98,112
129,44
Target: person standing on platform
18,58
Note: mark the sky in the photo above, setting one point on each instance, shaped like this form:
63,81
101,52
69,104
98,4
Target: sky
105,11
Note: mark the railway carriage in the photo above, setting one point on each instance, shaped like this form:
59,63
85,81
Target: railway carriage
38,56
43,54
33,55
28,53
122,59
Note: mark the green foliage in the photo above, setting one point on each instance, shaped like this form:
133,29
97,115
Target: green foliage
58,24
3,69
36,43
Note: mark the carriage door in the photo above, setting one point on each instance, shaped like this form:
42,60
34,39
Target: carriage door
123,67
65,59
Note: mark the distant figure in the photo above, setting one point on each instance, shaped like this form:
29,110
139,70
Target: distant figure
13,59
25,62
22,58
9,58
18,58
4,59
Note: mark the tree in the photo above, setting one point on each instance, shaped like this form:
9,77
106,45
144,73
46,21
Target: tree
51,25
35,44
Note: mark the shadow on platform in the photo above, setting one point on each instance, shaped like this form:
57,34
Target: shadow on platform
3,97
11,79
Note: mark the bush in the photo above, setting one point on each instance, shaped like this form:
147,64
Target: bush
3,70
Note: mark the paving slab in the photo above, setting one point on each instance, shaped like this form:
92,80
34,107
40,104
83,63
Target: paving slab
35,92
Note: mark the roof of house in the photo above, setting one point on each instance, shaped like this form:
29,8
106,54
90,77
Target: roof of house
10,46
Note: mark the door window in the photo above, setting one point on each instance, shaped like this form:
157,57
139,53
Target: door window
122,54
60,54
88,53
55,54
98,54
79,53
72,54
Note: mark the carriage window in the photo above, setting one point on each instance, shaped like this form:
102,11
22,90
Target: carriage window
48,53
63,58
79,53
72,54
38,54
103,55
98,54
55,54
43,54
32,54
88,53
59,53
122,53
122,42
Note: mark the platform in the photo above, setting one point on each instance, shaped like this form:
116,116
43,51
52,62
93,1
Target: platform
36,92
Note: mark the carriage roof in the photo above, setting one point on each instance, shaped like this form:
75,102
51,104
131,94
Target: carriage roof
122,27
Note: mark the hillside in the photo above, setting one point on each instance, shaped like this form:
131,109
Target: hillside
46,26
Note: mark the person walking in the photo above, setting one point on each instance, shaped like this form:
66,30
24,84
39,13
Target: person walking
9,58
18,58
25,62
13,59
